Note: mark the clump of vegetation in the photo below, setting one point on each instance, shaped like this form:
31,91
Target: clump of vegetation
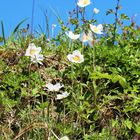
81,85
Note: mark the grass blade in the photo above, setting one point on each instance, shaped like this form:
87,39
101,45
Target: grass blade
3,33
17,27
47,24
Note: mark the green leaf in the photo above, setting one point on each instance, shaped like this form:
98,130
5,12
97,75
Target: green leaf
44,105
128,123
137,128
1,39
34,92
114,123
98,75
3,33
110,11
119,78
17,27
124,17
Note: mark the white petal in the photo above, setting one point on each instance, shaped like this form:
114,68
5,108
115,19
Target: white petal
92,27
100,27
38,50
65,94
50,87
96,11
76,52
83,3
82,59
37,59
72,36
27,53
57,86
69,56
59,96
64,138
76,36
71,33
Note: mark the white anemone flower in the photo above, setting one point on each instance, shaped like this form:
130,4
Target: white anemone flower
86,37
62,96
72,36
96,11
64,138
97,29
32,50
75,57
83,3
55,87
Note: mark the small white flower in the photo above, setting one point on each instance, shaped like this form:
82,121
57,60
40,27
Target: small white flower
86,37
72,36
97,29
61,96
54,25
55,87
64,138
75,57
32,50
96,11
83,3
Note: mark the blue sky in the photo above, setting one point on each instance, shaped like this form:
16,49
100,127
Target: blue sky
14,11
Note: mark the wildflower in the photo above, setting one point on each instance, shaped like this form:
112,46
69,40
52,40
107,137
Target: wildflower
83,3
63,95
54,25
64,138
75,57
96,11
33,52
86,37
55,87
97,29
72,36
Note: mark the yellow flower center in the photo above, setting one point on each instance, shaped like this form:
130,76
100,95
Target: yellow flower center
85,2
76,58
32,51
86,37
96,30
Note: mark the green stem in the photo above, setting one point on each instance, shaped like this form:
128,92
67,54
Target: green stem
116,21
42,100
29,82
64,112
94,69
48,111
83,16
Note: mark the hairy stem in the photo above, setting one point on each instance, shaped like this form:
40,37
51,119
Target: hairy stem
94,69
116,21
